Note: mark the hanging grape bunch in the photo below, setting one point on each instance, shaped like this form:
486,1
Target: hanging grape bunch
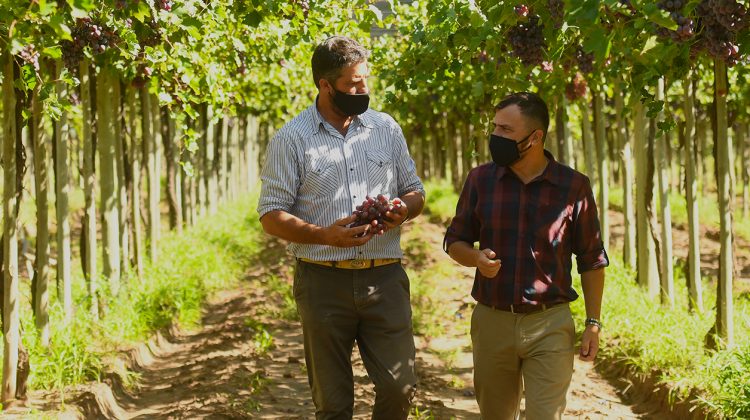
527,38
86,33
576,88
685,28
718,22
165,5
372,212
30,55
303,5
151,34
585,61
557,11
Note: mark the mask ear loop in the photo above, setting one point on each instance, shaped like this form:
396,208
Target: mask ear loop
526,139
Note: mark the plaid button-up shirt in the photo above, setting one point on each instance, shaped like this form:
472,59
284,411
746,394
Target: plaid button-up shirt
319,175
534,229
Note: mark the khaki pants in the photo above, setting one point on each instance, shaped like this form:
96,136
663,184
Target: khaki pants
533,350
371,307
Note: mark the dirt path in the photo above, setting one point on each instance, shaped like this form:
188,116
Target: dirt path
229,370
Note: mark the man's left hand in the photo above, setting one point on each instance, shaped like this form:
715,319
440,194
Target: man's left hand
589,343
394,218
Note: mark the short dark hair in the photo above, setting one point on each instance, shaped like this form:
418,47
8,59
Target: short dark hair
531,106
334,54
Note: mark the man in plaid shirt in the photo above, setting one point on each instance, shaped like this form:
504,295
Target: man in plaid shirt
530,214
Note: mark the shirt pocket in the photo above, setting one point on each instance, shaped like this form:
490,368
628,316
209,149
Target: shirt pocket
322,177
380,176
552,227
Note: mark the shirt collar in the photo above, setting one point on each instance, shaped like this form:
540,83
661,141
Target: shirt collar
551,172
363,119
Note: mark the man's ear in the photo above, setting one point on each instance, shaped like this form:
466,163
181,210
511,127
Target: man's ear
539,136
326,86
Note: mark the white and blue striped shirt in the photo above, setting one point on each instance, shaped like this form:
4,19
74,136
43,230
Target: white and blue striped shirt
320,176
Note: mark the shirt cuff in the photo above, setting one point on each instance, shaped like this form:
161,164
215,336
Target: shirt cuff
592,261
412,188
449,239
267,208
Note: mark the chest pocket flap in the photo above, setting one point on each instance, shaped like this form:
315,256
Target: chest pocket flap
322,175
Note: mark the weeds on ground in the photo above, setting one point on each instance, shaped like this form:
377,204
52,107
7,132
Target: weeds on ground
423,413
282,289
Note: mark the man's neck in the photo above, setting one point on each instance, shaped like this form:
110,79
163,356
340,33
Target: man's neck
531,169
339,122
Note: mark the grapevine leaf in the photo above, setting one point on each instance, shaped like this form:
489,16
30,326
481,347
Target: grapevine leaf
52,52
143,12
658,16
57,23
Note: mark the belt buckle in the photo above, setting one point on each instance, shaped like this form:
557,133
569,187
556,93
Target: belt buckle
358,263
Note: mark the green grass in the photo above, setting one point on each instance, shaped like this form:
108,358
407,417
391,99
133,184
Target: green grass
428,315
441,201
652,338
208,257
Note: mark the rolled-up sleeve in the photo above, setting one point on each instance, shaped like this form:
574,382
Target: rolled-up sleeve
407,178
465,225
587,236
280,175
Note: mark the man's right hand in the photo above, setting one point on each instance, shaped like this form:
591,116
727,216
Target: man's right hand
339,235
486,263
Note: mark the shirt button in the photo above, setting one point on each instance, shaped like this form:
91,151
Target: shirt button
351,169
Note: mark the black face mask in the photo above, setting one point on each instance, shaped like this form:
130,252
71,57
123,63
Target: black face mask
504,151
351,104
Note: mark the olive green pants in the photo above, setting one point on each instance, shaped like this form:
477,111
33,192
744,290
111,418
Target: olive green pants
531,351
371,307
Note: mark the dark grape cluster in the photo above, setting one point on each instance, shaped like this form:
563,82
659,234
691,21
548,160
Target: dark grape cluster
527,41
585,61
142,76
372,212
303,5
557,11
30,55
730,14
719,21
165,5
86,33
151,35
522,10
685,27
576,88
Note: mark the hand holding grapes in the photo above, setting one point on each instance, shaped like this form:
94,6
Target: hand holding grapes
486,264
380,214
395,217
340,235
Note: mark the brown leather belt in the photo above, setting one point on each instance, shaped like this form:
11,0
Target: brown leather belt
354,264
524,308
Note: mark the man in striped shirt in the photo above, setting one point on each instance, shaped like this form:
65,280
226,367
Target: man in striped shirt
529,214
349,284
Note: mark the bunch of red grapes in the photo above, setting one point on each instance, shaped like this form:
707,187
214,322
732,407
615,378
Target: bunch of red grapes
87,33
685,27
372,212
719,22
576,88
526,39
